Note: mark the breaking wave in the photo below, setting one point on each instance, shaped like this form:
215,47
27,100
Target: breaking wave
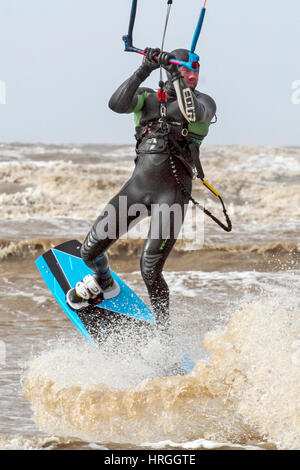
128,247
259,187
247,393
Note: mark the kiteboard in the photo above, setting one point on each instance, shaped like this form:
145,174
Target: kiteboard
62,267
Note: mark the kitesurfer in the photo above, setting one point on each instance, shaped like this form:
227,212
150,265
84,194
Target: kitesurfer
170,126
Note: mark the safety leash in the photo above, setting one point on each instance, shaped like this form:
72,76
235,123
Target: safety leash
228,227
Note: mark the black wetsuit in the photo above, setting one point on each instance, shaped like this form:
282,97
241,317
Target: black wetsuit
152,184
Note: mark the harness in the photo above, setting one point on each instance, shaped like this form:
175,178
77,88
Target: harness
163,136
157,136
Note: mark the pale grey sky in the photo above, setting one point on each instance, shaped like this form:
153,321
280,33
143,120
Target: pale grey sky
62,59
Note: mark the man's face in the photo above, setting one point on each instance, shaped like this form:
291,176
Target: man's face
190,77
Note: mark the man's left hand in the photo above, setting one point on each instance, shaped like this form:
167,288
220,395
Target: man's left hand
164,60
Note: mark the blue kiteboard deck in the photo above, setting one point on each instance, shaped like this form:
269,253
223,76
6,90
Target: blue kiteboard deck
62,266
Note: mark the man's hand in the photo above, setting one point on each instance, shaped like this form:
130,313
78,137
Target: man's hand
149,62
164,60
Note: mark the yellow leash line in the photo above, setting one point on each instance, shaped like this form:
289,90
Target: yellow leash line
209,186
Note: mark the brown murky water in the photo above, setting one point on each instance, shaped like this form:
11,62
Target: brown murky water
234,305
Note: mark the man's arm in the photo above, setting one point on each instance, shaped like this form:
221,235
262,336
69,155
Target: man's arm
126,98
195,106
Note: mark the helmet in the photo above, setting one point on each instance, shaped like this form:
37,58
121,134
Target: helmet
182,55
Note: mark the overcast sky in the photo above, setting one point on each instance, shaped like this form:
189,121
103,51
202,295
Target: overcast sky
62,59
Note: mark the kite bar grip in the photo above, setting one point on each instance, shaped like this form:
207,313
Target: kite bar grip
130,48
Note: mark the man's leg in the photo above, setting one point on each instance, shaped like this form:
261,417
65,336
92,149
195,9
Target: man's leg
112,223
164,230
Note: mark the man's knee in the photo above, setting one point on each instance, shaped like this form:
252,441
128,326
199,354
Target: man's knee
151,267
92,247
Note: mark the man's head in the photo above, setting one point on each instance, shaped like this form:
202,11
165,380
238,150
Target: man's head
190,77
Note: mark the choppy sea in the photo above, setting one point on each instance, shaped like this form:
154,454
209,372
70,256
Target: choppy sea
234,308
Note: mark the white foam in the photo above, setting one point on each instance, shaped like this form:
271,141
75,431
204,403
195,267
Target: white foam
191,284
120,153
266,162
197,444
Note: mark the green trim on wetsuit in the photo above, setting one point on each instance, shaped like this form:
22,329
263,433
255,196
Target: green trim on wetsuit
199,128
138,109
